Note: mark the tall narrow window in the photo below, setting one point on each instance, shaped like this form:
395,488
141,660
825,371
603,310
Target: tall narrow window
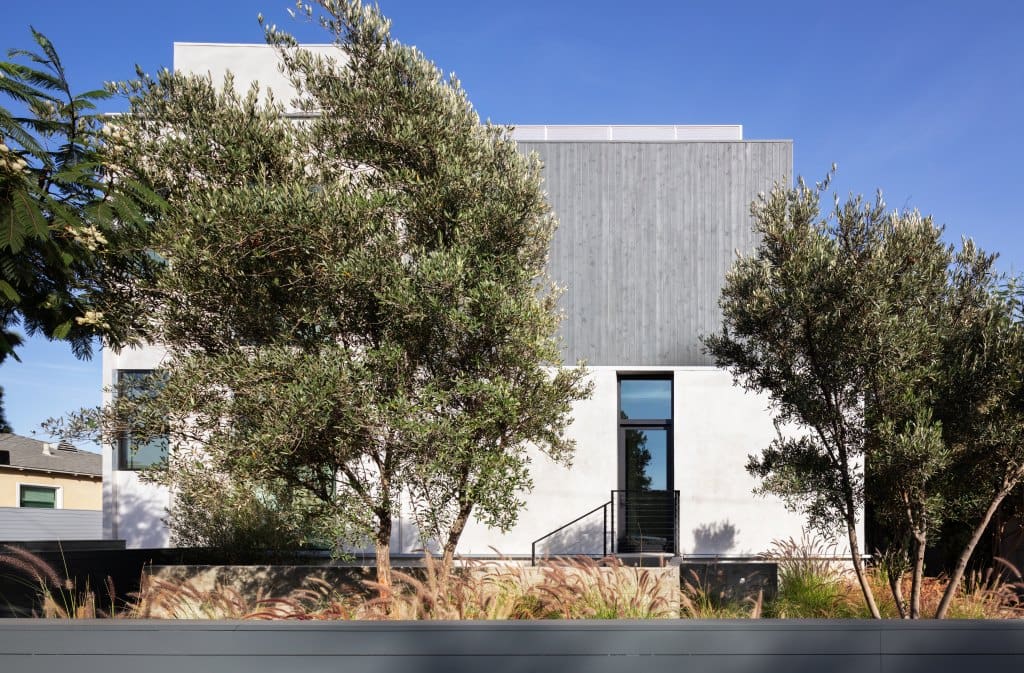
645,432
646,503
138,455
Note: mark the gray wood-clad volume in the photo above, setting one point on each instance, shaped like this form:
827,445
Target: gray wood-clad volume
646,233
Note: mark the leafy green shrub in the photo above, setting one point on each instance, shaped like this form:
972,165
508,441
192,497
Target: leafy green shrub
698,601
811,585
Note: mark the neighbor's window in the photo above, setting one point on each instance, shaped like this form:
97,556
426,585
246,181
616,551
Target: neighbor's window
41,497
131,455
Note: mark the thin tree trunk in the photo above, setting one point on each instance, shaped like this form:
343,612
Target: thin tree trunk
896,587
920,544
851,531
858,568
382,547
454,534
968,551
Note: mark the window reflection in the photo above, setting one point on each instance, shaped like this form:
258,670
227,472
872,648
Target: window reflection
139,455
646,460
645,398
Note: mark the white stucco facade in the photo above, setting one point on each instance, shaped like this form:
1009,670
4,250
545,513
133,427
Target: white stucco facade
716,426
133,510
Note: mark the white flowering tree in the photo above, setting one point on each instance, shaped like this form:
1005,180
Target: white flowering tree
72,232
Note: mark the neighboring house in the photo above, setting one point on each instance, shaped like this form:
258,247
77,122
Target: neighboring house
48,491
650,219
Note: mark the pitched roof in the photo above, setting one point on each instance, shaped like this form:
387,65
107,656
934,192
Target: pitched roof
32,454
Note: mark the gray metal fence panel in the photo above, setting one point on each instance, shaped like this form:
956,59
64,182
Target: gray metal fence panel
26,524
765,646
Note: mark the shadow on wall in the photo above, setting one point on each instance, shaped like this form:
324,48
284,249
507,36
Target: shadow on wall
714,539
406,538
140,521
584,537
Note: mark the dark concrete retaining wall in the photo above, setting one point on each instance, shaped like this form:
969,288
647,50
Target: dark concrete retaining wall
761,646
87,565
732,581
92,563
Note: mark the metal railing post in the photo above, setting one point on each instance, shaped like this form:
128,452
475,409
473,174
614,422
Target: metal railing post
604,533
615,542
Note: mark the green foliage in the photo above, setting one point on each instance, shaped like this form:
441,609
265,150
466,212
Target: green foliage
355,307
810,583
241,520
72,229
849,323
4,425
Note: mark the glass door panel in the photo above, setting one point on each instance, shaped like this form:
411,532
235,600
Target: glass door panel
646,459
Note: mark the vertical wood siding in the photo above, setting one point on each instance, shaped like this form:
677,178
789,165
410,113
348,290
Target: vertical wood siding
647,232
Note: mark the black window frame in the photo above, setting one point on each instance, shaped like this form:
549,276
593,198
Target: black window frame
665,424
124,439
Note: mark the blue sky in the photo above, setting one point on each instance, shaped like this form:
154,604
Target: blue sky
922,99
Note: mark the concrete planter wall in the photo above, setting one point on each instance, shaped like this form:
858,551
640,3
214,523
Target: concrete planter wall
254,582
762,646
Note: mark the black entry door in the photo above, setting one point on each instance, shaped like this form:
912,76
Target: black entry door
647,502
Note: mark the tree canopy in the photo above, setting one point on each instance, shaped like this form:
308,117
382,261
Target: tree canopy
876,342
355,304
72,229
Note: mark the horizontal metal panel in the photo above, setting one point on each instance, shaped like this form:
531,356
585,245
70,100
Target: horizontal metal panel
24,524
647,232
519,663
600,646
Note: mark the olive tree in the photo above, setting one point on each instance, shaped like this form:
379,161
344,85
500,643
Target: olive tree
354,304
850,323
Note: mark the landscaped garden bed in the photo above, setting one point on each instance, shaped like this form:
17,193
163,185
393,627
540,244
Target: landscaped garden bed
810,586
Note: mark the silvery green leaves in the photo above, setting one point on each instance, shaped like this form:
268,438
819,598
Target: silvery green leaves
877,343
355,303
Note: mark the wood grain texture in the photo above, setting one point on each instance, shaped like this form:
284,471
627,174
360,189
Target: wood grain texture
647,232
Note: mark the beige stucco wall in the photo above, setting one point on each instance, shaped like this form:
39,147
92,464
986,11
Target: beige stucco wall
76,492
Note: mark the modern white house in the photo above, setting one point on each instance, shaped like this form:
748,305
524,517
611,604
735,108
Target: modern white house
650,218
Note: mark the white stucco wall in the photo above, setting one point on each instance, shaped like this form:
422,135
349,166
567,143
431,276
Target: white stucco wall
248,63
716,427
132,509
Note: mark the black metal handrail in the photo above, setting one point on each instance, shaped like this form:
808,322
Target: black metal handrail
646,523
604,531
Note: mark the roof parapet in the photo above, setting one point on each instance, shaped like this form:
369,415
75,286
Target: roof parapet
634,133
